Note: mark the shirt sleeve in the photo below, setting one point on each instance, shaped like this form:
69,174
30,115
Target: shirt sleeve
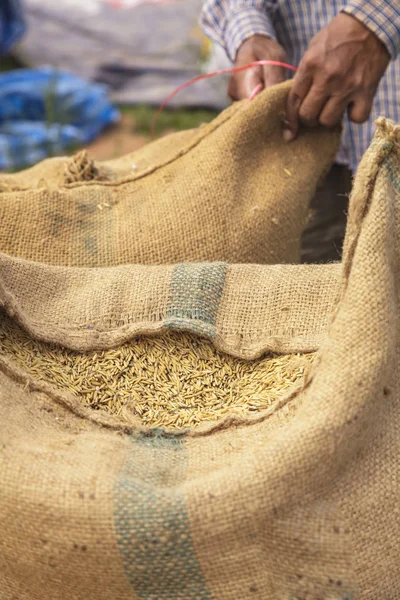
380,16
231,22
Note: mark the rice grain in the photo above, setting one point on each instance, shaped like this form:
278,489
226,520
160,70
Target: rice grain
175,380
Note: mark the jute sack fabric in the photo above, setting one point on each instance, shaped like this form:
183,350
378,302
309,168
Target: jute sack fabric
232,190
300,501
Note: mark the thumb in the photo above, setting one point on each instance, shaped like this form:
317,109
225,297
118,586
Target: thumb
242,84
291,120
251,79
299,90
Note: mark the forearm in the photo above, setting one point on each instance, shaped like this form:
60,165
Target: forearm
231,22
380,16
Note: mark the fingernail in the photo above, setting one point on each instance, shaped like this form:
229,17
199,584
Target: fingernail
288,135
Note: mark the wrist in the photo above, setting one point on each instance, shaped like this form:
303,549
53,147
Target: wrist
260,47
243,25
383,21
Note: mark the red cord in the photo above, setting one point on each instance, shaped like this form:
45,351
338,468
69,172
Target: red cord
256,91
259,63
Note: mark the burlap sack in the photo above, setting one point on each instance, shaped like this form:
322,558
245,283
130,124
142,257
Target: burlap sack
301,501
232,190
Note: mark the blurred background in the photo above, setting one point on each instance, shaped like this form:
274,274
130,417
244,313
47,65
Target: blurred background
92,73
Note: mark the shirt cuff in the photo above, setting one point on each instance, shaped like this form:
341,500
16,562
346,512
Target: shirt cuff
382,18
244,24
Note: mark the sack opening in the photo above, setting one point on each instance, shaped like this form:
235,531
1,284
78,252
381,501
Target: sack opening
175,380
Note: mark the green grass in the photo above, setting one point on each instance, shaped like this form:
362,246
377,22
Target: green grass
169,119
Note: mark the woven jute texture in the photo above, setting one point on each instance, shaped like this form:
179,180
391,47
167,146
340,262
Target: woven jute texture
232,190
299,501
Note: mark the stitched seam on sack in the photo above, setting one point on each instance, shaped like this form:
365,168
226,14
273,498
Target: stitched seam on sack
223,118
382,154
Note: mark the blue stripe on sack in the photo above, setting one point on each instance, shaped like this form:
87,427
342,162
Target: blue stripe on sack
392,168
195,294
151,523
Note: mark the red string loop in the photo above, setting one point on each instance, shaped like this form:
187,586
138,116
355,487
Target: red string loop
259,63
256,91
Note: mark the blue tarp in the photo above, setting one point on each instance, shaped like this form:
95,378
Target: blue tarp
44,111
12,26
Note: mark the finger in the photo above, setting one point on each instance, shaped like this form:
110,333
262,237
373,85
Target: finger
241,85
360,109
251,79
273,75
333,111
232,88
312,106
300,88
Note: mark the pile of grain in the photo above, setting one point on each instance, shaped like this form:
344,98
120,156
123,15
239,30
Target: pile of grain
176,380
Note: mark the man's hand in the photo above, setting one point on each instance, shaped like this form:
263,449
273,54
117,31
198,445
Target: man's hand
258,47
340,70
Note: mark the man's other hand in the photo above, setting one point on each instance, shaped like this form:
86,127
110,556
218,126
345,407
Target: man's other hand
340,70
